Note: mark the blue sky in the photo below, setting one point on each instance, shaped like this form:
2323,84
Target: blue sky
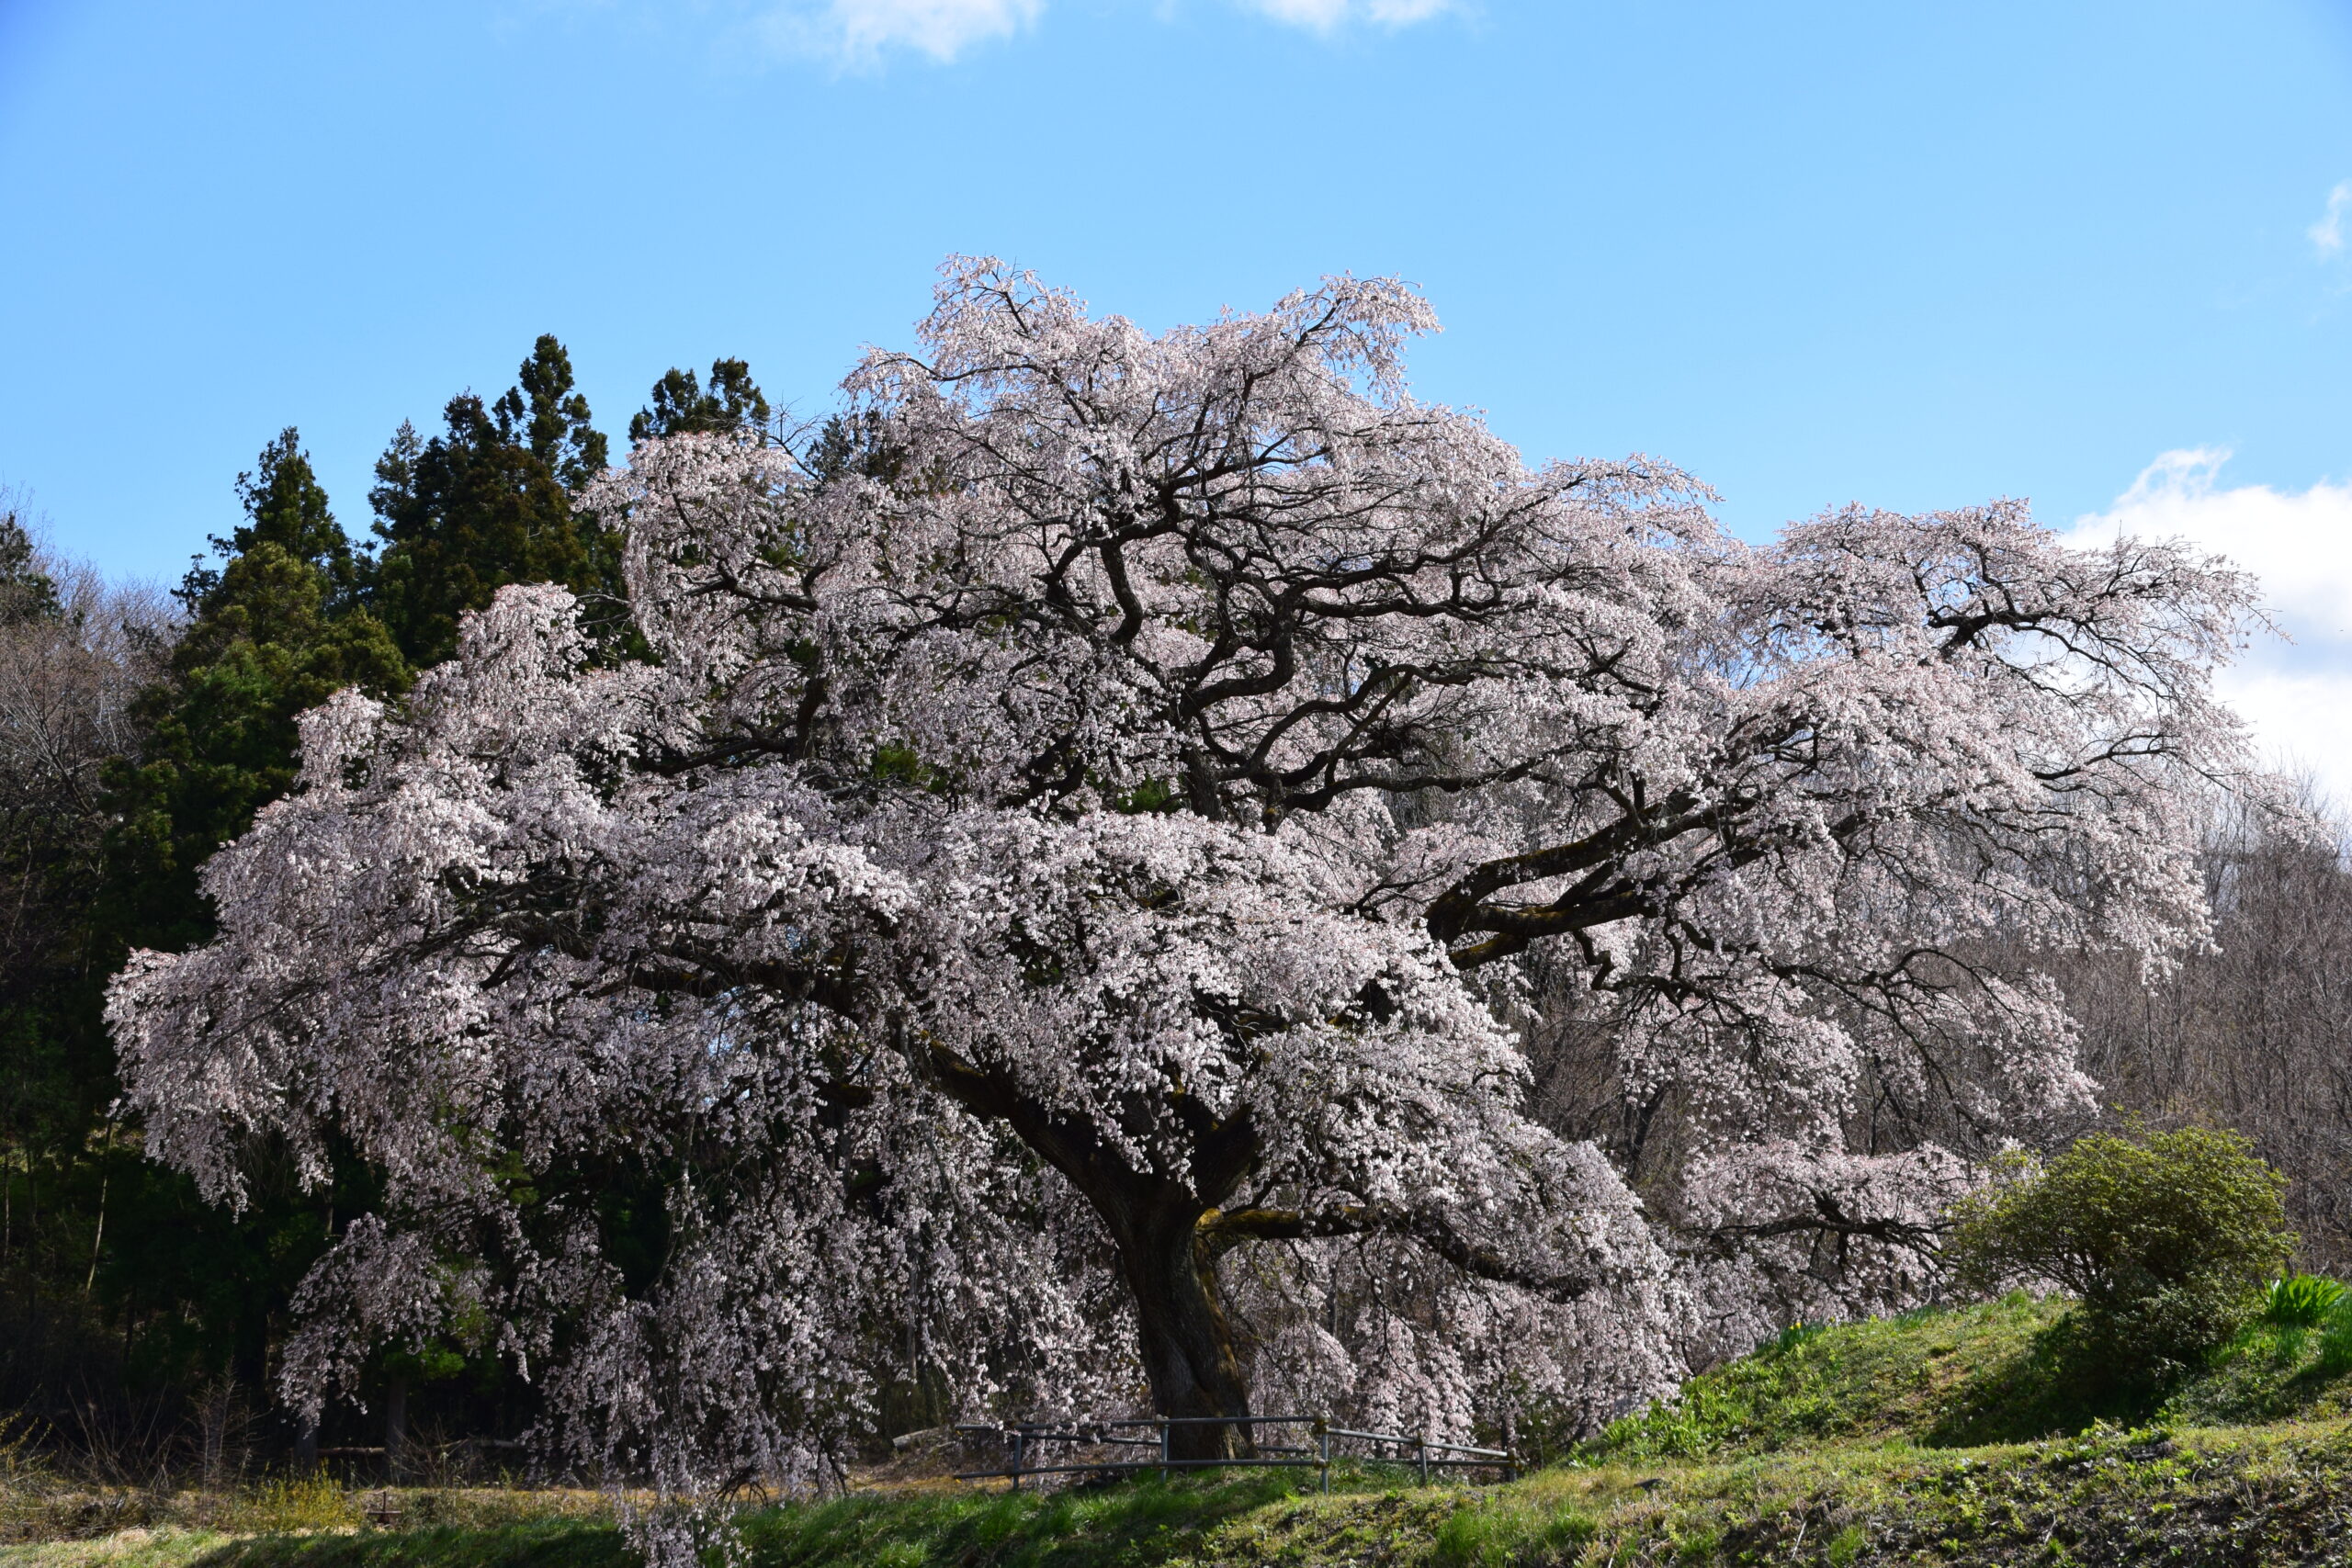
1911,255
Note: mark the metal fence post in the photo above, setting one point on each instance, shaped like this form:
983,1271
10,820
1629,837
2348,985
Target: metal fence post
1323,1438
1423,1444
1019,1451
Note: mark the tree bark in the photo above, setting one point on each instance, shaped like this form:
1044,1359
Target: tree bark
1154,1223
1185,1340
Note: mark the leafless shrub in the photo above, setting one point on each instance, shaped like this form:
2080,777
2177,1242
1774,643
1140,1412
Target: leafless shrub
223,1416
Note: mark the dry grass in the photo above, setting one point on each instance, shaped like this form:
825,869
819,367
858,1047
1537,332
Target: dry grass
35,1511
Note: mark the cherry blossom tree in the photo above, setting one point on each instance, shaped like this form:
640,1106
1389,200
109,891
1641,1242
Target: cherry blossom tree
1056,913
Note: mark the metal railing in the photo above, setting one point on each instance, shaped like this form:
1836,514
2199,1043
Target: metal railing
1317,1453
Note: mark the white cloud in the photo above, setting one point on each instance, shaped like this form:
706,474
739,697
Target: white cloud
2297,696
2327,235
859,32
1323,15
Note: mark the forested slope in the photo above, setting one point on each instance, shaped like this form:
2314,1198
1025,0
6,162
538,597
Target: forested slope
140,1326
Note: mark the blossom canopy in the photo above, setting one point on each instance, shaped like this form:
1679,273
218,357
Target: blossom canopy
1053,919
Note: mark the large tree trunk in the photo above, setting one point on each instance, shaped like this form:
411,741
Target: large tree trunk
1186,1342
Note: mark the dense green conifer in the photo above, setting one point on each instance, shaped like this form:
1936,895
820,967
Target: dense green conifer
271,633
487,504
553,416
27,592
732,400
123,1283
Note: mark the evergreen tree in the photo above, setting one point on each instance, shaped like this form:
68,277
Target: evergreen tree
271,633
64,682
274,630
27,592
57,695
553,416
122,1284
855,443
485,503
732,402
286,506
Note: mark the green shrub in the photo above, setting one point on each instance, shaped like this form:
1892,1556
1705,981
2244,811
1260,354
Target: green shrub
2165,1239
2300,1301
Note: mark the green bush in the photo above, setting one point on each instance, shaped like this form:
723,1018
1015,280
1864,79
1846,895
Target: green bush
2165,1239
2300,1301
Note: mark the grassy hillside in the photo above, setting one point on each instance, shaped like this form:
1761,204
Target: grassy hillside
1958,1378
1904,1441
1926,1377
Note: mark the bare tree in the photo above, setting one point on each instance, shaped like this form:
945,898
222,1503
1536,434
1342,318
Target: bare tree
72,660
74,651
2253,1033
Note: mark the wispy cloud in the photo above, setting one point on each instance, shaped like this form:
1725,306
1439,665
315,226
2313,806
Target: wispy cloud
859,34
2299,543
2327,235
1324,16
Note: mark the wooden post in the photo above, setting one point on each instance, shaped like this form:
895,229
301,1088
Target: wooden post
1423,1444
1323,1437
396,1429
1019,1451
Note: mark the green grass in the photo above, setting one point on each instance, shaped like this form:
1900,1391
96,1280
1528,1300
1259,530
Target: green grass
1145,1521
538,1543
2255,1496
1938,1438
124,1548
1966,1377
1923,1376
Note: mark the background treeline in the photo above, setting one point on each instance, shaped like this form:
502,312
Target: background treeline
140,1326
139,731
2253,1033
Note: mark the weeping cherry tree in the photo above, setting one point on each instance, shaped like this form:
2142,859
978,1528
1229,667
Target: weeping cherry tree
1052,916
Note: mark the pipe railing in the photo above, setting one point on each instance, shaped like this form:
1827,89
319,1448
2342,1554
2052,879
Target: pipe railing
1317,1454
